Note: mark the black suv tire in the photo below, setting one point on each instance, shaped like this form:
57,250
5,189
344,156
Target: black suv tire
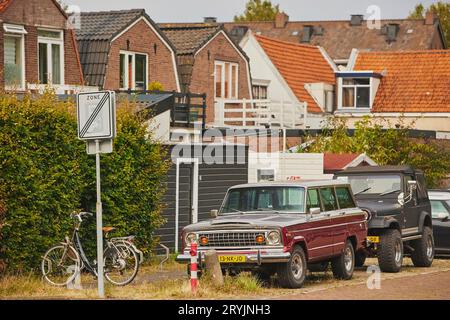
344,265
286,276
423,253
360,258
390,252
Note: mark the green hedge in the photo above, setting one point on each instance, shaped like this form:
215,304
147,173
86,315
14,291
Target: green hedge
46,174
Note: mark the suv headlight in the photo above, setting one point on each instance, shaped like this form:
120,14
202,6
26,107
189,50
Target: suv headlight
273,238
190,238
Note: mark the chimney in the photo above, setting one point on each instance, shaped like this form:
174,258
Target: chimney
281,19
356,19
430,17
210,19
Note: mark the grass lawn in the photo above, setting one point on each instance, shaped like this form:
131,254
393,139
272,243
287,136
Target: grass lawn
172,283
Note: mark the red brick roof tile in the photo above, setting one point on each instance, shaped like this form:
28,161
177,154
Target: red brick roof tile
413,81
299,64
334,161
4,4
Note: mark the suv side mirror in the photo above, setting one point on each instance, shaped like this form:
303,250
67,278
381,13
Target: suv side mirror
412,185
314,210
214,213
401,199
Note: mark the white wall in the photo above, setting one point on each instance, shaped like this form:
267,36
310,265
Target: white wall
160,126
261,68
287,166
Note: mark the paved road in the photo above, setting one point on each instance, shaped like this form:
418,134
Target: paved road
420,286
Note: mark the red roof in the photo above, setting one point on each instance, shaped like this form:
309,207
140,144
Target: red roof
413,81
299,64
334,161
4,4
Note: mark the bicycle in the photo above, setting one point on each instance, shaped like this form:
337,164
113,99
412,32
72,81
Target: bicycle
61,263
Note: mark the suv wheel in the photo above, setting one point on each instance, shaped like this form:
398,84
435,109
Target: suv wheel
293,273
360,258
344,265
423,253
390,252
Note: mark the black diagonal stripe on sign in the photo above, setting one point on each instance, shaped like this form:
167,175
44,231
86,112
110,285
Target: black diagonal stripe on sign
94,115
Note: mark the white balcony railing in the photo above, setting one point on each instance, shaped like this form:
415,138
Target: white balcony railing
260,113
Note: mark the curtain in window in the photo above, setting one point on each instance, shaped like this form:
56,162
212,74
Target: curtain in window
122,71
348,97
218,77
13,61
56,64
140,72
43,63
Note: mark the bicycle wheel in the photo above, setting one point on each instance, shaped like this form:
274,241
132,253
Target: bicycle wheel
60,265
121,264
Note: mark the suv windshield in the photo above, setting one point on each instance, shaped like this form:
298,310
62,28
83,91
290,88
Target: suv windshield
272,199
376,184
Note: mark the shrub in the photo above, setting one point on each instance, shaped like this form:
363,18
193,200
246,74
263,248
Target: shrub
46,175
155,86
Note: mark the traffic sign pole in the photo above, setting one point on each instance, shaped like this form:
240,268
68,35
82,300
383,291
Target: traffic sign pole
97,124
101,288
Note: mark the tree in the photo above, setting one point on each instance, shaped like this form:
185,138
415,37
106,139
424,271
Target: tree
258,10
384,146
441,9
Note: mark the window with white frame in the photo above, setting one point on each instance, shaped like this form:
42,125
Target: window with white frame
356,93
226,77
259,92
14,56
51,56
265,175
133,71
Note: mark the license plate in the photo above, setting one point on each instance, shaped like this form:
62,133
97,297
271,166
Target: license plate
232,259
374,239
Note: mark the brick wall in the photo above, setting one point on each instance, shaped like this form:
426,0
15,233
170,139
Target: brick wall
2,78
31,55
142,39
33,13
203,72
72,66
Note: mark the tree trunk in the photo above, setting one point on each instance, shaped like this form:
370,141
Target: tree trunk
212,266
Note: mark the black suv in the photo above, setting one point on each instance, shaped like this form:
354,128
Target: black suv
396,199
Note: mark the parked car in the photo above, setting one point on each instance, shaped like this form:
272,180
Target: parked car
283,228
396,199
440,210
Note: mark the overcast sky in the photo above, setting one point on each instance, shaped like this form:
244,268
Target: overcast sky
224,10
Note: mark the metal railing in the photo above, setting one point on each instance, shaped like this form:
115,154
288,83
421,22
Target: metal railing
260,113
187,110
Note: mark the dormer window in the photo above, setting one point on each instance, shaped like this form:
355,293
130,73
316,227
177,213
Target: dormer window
356,93
356,90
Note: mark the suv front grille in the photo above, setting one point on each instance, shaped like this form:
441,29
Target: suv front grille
232,239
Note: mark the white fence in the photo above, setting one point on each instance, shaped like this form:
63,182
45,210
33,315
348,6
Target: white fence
260,113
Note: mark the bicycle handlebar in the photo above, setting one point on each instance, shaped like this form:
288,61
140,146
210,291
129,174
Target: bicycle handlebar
78,215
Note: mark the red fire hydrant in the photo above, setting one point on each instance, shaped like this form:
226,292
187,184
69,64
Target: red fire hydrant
194,278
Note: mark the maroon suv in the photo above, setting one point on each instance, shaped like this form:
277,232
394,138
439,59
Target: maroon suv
283,228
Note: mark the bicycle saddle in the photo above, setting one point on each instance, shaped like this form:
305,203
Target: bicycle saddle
108,229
